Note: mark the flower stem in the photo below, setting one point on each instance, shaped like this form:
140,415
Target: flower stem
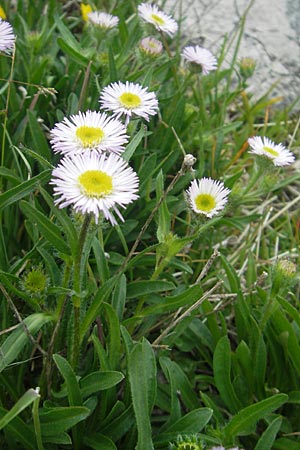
76,299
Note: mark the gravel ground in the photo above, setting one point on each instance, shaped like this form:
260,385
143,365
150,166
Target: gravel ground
271,37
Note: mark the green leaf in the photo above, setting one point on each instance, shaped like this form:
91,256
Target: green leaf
98,441
142,378
119,297
18,407
101,261
163,213
246,418
268,437
74,53
139,288
193,422
134,143
96,304
47,228
16,341
284,444
60,419
113,344
18,192
61,438
39,141
20,431
180,381
99,381
186,298
119,426
74,394
222,368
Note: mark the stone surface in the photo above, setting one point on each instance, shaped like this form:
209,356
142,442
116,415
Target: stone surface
271,37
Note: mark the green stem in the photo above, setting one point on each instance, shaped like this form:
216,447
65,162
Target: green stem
6,107
267,312
36,422
76,299
253,180
166,45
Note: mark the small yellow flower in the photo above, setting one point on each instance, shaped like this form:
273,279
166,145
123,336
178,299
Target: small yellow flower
85,10
2,13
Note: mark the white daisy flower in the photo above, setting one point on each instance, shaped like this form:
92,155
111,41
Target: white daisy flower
161,21
102,19
207,196
7,37
95,184
200,56
88,131
129,99
263,146
151,46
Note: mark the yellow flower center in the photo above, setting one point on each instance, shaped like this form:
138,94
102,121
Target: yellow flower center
205,202
129,100
89,136
157,19
2,13
271,151
95,183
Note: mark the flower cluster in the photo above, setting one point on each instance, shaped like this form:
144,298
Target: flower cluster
92,176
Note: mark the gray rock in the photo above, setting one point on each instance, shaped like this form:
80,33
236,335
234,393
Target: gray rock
271,37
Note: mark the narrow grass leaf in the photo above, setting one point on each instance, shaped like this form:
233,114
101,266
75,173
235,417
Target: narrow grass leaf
19,430
47,228
18,407
96,304
39,141
134,143
18,192
16,341
119,297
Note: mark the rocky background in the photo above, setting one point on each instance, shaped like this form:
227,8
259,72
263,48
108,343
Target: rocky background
271,37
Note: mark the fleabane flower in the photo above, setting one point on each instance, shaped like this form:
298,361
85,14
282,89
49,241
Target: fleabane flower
151,46
277,153
201,57
103,20
96,184
7,37
162,21
207,196
129,99
88,131
220,447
